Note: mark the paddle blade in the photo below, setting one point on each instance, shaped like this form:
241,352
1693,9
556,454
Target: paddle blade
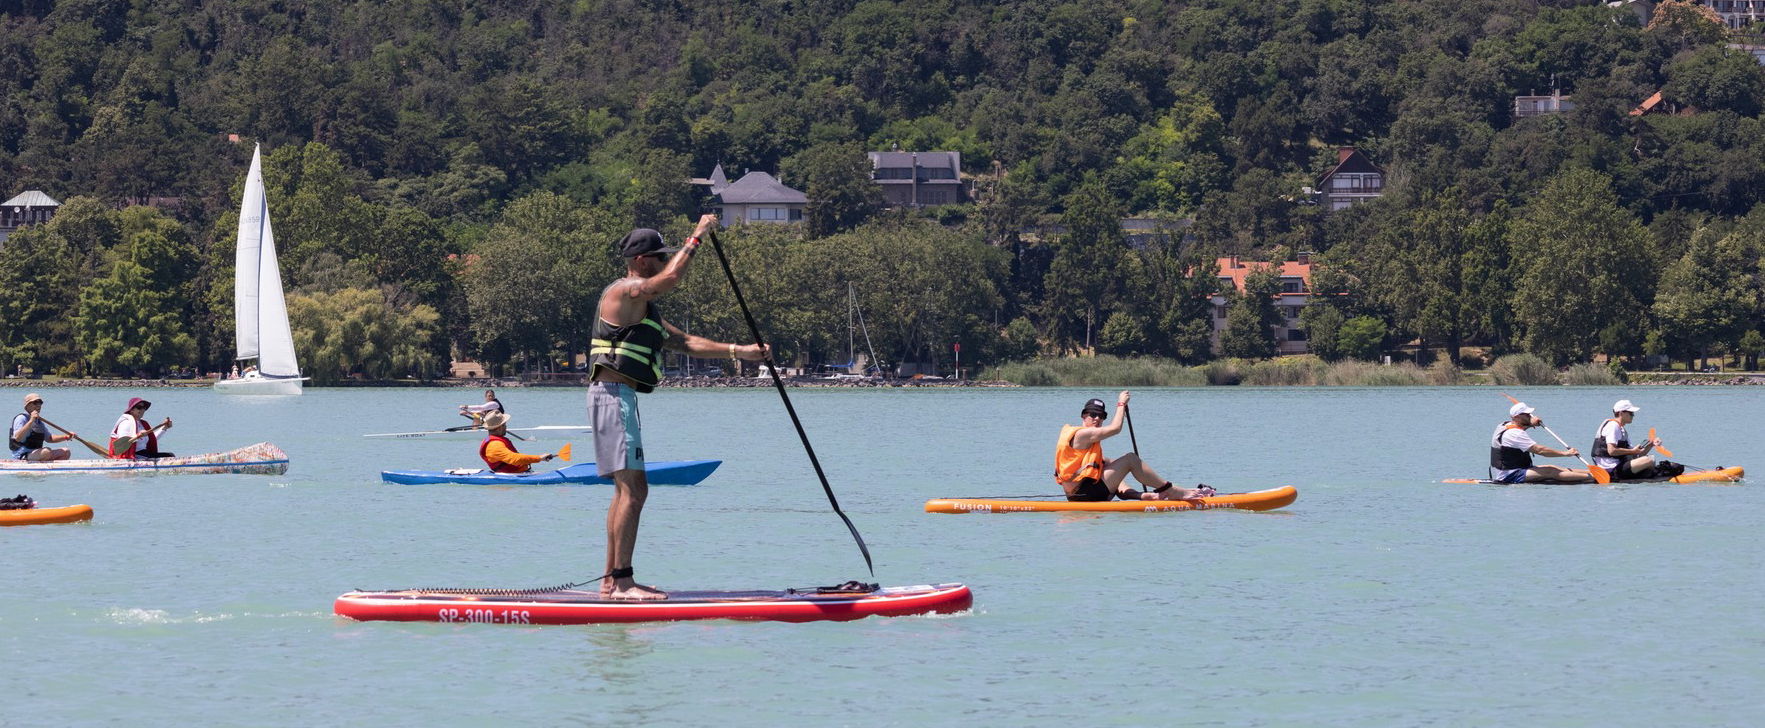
1662,448
1599,474
564,453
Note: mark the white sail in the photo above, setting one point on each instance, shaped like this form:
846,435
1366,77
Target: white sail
260,314
275,341
254,220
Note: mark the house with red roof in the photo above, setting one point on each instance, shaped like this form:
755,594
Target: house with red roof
1294,296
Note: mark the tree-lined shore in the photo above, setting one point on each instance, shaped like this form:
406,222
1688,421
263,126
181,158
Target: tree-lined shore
449,179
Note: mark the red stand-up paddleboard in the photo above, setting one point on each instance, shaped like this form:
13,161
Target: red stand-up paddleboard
574,606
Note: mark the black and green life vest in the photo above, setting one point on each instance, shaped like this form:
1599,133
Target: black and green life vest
634,351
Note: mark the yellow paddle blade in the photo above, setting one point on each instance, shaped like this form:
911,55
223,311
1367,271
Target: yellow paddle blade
564,454
1599,474
1662,448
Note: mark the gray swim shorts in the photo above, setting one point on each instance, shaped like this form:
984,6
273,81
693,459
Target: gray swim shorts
618,436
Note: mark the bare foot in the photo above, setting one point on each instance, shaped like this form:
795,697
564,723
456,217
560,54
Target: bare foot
627,589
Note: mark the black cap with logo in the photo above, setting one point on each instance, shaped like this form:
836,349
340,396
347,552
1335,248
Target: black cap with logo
643,241
1095,406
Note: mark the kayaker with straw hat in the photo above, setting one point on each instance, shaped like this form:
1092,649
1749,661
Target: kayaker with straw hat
1081,470
1511,451
499,453
628,336
26,437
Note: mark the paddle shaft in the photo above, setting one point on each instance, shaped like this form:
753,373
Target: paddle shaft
463,428
1565,444
772,368
83,441
1129,415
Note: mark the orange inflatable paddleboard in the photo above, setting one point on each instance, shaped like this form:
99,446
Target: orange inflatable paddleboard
1261,500
34,516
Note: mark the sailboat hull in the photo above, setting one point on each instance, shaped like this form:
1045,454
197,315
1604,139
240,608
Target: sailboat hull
259,386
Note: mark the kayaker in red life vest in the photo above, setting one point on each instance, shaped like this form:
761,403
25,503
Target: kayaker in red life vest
628,336
1081,470
131,429
499,453
1511,451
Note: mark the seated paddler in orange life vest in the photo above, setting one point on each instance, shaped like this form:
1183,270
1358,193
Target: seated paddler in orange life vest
499,453
1085,475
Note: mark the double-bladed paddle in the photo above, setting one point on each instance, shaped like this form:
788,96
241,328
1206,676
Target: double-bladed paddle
1658,445
772,368
1600,475
463,428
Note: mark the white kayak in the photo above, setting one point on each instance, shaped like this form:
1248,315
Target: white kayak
537,432
260,459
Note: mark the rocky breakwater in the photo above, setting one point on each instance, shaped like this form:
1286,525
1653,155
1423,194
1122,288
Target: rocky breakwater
112,383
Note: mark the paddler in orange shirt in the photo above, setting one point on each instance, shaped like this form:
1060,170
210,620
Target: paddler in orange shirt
499,453
1081,470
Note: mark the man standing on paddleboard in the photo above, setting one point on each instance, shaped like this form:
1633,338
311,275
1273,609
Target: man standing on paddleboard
1081,470
629,335
1511,451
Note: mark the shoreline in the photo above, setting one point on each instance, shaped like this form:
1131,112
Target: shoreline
676,383
1681,379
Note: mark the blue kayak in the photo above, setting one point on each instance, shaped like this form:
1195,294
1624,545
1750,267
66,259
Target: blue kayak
669,472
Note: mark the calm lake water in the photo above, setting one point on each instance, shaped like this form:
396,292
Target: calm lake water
1381,597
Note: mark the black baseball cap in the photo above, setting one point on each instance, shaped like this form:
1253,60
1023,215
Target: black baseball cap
1095,405
644,241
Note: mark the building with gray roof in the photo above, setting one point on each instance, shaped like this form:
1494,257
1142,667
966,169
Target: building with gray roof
756,197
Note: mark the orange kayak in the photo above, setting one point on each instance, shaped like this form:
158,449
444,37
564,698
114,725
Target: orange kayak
1717,475
1261,500
34,516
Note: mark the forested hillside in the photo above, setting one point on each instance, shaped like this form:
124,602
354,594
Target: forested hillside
455,173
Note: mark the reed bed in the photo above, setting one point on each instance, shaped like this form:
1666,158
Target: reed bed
1591,375
1522,369
1291,371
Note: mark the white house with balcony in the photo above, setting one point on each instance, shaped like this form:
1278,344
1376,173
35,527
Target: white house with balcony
1354,179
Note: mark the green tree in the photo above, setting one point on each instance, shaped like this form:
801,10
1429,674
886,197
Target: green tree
1716,78
1361,337
1581,268
124,325
1082,279
1322,323
836,179
39,289
1019,340
1750,344
1124,334
359,331
1252,316
532,283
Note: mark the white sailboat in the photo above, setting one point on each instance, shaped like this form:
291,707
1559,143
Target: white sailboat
260,314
